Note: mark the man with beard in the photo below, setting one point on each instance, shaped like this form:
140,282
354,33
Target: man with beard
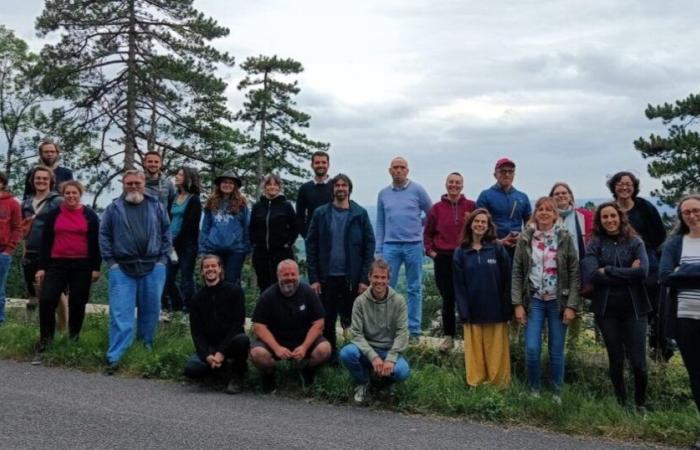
314,193
49,155
288,321
157,185
135,242
339,251
217,315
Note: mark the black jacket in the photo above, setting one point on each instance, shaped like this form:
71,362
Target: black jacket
272,224
48,236
311,195
189,232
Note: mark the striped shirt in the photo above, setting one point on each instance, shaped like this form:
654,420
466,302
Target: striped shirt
689,299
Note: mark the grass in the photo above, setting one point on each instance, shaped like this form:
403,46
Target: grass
436,385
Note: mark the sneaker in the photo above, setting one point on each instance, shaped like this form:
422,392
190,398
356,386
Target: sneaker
361,393
269,384
111,369
38,359
446,344
235,385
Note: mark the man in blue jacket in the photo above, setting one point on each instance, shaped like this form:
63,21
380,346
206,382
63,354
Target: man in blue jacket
135,242
339,252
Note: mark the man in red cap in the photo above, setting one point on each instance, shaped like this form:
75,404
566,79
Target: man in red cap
509,208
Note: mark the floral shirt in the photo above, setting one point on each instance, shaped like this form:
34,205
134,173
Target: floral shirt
543,275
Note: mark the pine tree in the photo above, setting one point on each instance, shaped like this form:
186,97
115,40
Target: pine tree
275,141
675,159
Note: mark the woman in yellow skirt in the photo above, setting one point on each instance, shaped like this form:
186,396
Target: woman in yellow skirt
482,293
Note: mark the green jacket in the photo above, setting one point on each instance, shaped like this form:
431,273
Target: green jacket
567,271
380,324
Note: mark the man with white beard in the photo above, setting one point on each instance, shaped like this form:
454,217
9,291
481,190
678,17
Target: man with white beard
135,242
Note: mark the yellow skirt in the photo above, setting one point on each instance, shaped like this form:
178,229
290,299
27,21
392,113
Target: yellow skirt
487,354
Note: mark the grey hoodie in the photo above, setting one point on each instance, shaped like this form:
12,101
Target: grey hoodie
381,324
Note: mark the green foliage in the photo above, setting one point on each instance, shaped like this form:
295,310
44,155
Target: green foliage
675,159
275,141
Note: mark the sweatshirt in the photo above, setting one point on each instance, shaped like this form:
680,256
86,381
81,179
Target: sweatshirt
444,224
10,222
380,324
399,218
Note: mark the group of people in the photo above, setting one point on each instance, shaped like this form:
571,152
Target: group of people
495,260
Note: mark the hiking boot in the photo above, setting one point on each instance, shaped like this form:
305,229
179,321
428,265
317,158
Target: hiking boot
38,359
269,384
235,385
111,369
361,393
447,344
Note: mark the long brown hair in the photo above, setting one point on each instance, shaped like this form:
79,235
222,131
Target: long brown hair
626,229
236,201
467,236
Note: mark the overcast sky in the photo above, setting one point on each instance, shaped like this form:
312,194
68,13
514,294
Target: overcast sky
558,86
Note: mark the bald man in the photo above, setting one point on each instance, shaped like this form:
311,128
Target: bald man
401,210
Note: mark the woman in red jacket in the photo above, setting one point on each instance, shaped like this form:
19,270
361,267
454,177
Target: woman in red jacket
441,238
10,234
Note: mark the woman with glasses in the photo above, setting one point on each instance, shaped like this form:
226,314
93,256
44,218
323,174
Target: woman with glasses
679,270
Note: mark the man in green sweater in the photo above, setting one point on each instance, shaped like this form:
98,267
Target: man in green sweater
380,333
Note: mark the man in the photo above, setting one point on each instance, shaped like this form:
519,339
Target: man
314,193
288,321
400,236
157,184
49,155
135,241
379,334
217,315
339,251
509,208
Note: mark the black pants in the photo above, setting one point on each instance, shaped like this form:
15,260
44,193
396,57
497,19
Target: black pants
177,298
338,297
235,359
29,268
688,339
657,341
265,264
624,334
75,275
443,279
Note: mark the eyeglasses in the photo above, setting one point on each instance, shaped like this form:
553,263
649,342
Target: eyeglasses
690,212
506,171
133,183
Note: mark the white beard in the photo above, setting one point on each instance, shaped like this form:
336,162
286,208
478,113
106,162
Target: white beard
134,197
288,289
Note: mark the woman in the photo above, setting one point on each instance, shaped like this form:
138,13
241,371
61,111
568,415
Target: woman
185,214
545,287
10,234
225,226
616,263
440,239
578,221
646,221
273,231
482,292
679,270
35,209
69,259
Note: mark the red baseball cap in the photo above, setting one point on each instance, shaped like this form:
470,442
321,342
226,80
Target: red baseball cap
504,162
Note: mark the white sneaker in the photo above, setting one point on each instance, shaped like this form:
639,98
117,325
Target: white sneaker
361,392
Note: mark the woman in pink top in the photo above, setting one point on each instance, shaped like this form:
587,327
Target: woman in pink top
69,258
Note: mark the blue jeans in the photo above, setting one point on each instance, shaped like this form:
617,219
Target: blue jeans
411,255
125,294
233,265
539,311
360,367
5,262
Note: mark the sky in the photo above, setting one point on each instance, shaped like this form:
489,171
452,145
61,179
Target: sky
560,87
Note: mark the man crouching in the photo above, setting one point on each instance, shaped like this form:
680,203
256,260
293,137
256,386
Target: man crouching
217,315
379,334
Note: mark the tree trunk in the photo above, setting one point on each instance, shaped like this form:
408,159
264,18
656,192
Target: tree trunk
261,150
130,92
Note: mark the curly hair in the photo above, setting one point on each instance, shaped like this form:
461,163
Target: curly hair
467,236
616,179
626,229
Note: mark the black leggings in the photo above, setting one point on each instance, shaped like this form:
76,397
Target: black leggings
76,275
337,297
688,340
624,334
443,279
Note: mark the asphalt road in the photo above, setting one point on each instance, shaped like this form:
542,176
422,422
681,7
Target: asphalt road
43,407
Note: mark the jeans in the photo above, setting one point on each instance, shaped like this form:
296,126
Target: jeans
233,265
624,334
76,275
125,294
236,354
178,298
5,262
688,339
360,367
337,298
539,312
411,255
443,279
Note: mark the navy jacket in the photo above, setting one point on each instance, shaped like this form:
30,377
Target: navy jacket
482,284
686,277
359,244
